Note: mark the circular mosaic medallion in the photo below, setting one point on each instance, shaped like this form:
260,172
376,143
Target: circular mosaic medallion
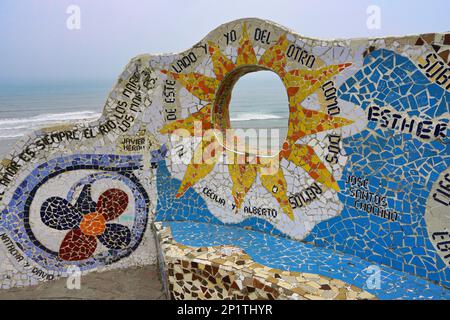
83,210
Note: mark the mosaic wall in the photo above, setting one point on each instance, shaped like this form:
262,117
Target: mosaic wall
361,179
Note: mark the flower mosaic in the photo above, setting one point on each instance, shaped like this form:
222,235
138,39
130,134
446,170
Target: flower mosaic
360,182
74,222
87,222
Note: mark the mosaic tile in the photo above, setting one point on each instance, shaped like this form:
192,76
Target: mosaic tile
227,272
361,181
290,255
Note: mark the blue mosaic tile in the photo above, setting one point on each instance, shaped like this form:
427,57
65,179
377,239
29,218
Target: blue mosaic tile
291,255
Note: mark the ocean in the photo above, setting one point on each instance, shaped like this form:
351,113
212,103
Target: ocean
258,101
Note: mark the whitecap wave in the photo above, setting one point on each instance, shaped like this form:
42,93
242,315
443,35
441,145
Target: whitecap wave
254,116
18,127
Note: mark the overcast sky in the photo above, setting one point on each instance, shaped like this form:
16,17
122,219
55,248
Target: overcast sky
35,43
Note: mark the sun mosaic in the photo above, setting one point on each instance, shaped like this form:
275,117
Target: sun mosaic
299,83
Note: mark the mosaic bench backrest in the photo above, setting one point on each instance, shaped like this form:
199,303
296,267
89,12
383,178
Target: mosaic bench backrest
364,168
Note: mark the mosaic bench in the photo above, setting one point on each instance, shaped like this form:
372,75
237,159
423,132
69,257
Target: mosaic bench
353,205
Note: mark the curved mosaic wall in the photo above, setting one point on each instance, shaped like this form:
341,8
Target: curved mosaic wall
363,169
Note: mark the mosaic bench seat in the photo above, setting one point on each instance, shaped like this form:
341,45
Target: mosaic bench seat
210,261
356,198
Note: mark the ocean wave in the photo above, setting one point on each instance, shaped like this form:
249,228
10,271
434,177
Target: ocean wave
18,127
255,116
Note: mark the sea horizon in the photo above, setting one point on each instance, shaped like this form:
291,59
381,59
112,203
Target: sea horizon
257,102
